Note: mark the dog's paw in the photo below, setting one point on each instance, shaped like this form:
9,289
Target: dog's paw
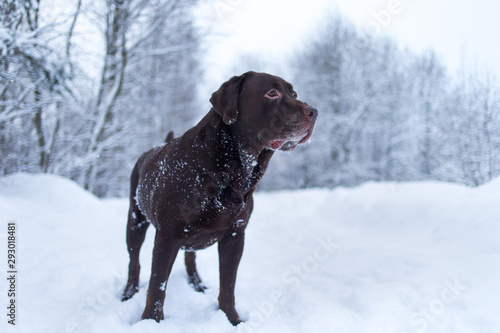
156,313
130,291
233,316
199,287
195,281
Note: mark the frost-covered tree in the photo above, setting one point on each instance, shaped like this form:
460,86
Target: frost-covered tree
147,72
33,80
84,92
386,113
472,125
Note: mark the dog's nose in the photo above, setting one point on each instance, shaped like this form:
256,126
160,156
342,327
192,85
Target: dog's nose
310,112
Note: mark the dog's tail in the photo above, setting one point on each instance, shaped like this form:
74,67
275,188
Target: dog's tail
170,136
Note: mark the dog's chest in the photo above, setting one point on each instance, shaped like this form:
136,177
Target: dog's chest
215,199
210,215
194,194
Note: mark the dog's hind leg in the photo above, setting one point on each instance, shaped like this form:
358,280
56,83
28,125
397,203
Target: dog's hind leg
193,277
136,232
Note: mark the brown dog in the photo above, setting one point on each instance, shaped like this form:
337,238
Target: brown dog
197,189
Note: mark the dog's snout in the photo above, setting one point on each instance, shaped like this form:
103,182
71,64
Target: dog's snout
310,112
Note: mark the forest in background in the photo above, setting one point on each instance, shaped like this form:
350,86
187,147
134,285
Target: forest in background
388,114
87,86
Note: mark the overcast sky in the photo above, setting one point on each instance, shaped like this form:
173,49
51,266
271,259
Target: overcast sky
459,30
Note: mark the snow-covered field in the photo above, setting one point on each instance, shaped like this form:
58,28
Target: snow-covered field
380,258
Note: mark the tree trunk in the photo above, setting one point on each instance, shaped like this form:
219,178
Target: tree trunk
39,130
112,77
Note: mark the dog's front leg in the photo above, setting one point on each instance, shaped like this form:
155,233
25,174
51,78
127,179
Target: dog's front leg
164,253
230,251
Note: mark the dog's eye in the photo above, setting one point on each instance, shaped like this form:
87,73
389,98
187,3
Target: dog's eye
294,94
273,93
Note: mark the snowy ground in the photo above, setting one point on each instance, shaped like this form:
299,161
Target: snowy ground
380,258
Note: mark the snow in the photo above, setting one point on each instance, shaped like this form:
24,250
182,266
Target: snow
383,257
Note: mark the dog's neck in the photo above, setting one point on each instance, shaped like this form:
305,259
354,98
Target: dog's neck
214,142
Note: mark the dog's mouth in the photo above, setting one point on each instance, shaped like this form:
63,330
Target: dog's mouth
291,144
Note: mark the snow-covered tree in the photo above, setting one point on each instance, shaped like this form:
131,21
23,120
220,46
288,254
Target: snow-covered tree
83,109
386,113
33,80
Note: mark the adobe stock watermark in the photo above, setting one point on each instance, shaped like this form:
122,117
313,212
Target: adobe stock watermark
382,18
291,280
89,309
421,320
223,7
12,272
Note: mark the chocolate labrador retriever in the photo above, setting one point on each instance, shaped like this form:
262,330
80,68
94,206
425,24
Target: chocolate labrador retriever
197,189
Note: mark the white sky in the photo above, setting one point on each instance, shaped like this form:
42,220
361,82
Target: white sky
459,30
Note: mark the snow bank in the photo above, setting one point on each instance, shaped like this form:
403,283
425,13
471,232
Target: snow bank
45,189
383,257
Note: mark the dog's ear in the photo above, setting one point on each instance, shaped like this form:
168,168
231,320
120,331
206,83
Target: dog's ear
225,100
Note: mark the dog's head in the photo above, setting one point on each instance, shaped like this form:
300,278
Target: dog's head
264,109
